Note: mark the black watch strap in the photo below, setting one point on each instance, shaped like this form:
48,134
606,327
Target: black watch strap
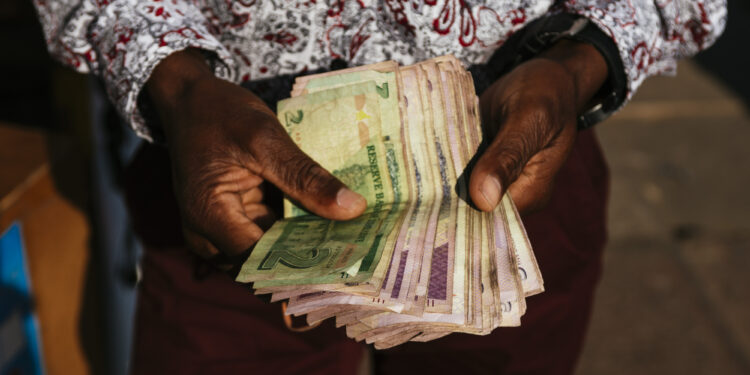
540,34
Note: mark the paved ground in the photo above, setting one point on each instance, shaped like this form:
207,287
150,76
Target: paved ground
675,298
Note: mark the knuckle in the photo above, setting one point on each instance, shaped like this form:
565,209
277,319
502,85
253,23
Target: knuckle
213,189
512,154
254,237
538,115
242,239
309,177
199,245
269,143
297,171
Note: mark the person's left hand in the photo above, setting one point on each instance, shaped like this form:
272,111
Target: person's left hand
531,114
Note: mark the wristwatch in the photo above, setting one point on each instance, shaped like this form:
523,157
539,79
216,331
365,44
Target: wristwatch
541,34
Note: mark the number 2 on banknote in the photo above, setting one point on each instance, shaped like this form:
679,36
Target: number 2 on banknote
292,260
280,251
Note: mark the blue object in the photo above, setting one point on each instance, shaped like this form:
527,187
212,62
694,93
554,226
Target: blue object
20,353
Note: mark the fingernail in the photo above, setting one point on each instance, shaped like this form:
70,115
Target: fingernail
490,190
348,199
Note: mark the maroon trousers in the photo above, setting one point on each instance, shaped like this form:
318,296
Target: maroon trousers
192,319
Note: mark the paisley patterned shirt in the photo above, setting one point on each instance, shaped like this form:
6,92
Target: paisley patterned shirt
123,40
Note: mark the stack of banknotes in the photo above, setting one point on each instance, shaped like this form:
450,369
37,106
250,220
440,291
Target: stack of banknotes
421,263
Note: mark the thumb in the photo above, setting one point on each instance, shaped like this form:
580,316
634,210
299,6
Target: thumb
500,164
306,182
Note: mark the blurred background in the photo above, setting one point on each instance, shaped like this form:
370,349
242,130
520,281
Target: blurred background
673,299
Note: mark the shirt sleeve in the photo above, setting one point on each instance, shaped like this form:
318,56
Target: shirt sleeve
651,35
122,41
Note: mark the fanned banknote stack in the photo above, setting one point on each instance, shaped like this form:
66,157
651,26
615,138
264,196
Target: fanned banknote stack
421,263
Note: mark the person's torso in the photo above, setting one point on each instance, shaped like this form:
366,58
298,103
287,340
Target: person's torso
273,37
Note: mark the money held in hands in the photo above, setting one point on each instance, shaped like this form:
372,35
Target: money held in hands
420,263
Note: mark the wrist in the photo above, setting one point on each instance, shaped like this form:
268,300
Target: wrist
173,79
584,64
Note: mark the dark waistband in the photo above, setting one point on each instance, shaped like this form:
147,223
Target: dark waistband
271,90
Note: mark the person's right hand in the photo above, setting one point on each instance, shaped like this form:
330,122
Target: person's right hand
224,142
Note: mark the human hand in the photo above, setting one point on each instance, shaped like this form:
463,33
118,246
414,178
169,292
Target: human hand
224,143
531,113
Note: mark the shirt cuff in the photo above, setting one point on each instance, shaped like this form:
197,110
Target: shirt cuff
132,37
541,34
636,32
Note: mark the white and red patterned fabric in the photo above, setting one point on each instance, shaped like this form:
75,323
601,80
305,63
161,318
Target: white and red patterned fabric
123,40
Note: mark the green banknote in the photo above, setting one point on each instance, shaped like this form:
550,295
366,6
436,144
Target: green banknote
386,77
389,129
341,129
